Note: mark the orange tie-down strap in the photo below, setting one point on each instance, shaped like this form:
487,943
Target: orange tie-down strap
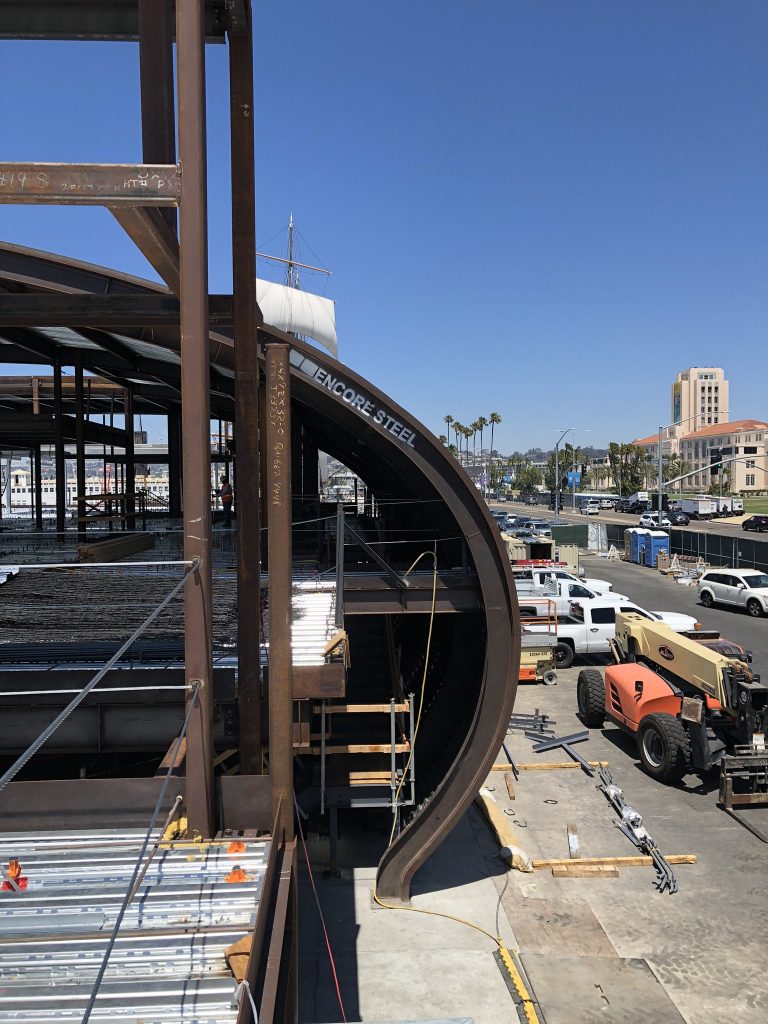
13,877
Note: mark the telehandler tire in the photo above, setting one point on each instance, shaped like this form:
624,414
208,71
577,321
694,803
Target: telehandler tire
590,694
564,655
664,747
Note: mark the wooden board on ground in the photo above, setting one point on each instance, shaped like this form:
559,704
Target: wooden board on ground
621,862
546,766
578,870
556,926
115,548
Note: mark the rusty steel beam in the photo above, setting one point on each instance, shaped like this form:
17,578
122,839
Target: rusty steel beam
152,234
61,463
247,320
158,122
195,410
90,184
130,462
80,445
74,310
38,489
278,488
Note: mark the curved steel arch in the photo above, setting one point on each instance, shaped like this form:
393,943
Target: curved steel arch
369,418
309,381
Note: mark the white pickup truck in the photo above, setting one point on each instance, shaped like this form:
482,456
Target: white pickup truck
561,593
591,624
539,576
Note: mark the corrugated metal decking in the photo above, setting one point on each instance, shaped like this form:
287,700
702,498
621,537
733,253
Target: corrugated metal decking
168,962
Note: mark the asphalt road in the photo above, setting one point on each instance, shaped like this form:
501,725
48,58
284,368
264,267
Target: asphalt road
726,527
651,590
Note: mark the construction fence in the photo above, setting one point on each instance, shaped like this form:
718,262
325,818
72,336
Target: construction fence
739,551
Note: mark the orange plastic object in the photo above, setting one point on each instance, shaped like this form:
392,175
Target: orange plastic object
236,847
15,875
237,875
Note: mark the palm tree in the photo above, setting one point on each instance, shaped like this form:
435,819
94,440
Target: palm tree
448,421
443,440
482,422
458,429
475,429
493,419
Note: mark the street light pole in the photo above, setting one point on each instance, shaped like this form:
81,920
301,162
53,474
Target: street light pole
557,473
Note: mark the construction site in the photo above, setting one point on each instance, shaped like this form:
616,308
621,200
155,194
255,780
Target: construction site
301,757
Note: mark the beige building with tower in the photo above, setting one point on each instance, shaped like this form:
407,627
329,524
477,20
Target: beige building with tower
699,399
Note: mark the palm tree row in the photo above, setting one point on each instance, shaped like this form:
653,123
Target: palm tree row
463,433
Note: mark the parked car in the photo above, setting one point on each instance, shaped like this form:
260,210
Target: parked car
759,523
651,520
744,588
607,503
623,505
678,518
590,507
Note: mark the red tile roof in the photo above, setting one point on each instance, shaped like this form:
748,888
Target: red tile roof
733,427
653,439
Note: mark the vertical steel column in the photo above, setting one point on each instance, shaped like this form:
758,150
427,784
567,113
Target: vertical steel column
80,445
278,484
158,129
263,497
174,465
38,488
195,408
246,321
130,462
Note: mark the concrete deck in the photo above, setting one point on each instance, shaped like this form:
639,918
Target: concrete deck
611,950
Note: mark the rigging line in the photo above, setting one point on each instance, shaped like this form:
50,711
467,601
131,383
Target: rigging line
320,912
46,734
137,871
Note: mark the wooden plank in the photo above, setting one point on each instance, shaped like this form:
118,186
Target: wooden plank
621,862
510,785
579,870
545,766
360,709
363,748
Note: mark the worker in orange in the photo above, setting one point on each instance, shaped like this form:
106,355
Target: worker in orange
227,495
237,874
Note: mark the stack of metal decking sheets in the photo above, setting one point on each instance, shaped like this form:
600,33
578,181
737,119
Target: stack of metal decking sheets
168,961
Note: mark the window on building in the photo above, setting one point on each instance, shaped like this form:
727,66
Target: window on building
750,463
750,479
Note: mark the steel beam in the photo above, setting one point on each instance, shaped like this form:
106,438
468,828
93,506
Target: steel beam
36,309
38,489
61,463
158,123
174,465
195,409
278,487
130,463
247,320
151,233
80,446
90,184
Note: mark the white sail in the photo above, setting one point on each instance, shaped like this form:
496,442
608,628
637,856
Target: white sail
302,313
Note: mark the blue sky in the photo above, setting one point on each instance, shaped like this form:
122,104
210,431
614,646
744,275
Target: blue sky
540,207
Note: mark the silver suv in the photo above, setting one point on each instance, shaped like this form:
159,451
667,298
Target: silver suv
745,588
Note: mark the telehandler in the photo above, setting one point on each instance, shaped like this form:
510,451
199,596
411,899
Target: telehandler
688,706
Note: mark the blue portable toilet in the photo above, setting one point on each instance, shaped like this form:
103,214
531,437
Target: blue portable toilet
656,541
628,543
638,546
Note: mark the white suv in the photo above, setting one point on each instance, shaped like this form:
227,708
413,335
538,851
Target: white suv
591,507
746,588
